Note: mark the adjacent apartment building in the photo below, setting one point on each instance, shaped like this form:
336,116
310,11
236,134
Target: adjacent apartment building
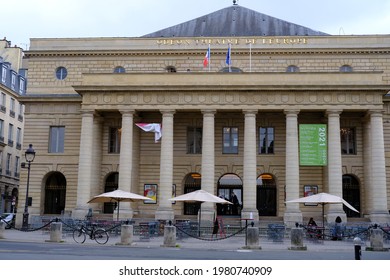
249,106
13,83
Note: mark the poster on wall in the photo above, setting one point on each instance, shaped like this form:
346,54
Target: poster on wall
313,144
150,190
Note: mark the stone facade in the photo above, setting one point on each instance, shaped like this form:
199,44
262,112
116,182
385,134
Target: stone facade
92,100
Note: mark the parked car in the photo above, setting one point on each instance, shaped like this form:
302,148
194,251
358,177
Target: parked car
9,219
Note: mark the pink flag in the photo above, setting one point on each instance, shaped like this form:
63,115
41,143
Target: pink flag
151,127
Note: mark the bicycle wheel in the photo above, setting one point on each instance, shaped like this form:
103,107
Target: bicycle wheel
79,236
101,236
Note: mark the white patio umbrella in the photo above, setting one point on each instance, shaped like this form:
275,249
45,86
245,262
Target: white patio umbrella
118,196
323,198
200,196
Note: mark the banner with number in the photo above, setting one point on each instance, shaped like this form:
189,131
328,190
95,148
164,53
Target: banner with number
313,145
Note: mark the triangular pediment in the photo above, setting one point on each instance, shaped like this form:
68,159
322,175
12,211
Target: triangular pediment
235,21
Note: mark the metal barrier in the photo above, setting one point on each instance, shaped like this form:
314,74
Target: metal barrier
276,232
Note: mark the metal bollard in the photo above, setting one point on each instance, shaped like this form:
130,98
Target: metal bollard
358,248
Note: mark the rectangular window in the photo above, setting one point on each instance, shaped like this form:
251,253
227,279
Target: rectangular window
230,140
13,81
3,100
266,144
4,74
11,135
348,141
12,108
8,167
56,141
18,138
2,131
194,140
17,160
21,86
115,140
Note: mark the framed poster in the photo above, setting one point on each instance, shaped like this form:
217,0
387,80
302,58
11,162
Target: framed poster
150,190
309,190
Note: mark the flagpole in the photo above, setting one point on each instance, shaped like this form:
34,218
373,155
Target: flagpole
250,57
230,57
209,59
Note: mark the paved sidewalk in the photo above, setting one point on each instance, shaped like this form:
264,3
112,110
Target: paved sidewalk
232,243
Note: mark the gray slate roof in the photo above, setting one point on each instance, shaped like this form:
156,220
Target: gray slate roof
235,21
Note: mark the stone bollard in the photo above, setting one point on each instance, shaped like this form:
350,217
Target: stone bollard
55,232
376,240
126,235
2,229
297,240
169,236
252,238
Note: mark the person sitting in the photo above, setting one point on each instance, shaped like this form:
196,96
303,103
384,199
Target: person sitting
312,229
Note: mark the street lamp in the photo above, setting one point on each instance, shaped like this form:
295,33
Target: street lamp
29,155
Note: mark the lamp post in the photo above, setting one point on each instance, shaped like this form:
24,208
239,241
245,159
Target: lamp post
29,155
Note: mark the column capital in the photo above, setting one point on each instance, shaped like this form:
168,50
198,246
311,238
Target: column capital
87,112
208,111
250,111
330,112
168,111
127,111
291,111
375,113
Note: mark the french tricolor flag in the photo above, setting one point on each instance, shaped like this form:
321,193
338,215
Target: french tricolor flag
151,127
206,60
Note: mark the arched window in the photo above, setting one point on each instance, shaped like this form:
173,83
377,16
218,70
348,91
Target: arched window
192,182
231,70
292,68
171,69
111,185
346,68
230,189
266,195
351,194
119,69
55,193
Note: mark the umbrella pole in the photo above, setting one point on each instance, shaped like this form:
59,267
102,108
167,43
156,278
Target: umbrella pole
117,212
323,220
200,218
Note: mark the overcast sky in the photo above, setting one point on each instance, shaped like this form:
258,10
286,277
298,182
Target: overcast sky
25,19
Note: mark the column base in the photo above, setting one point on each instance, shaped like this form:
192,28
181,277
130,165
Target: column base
291,218
380,218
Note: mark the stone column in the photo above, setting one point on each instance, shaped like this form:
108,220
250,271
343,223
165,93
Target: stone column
125,163
250,167
367,166
208,164
85,165
164,210
335,175
379,211
292,213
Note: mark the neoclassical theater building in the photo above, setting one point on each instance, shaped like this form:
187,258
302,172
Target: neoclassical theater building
249,105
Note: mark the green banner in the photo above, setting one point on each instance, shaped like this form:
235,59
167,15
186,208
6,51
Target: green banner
313,144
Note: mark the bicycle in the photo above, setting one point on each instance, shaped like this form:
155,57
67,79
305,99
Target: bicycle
99,235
